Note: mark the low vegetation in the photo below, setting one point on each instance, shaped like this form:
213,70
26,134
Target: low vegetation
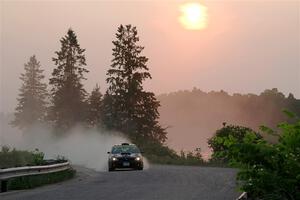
28,182
267,170
219,145
162,154
16,158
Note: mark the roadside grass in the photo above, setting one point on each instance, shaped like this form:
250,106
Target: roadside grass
157,153
28,182
16,158
167,160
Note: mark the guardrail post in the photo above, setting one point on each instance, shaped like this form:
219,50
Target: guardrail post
4,186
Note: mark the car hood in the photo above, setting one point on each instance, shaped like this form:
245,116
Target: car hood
126,155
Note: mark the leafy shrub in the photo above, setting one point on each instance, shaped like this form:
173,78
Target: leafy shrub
38,157
161,154
16,158
228,134
267,171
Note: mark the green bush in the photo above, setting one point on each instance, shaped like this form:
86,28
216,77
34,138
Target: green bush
158,153
218,142
38,157
267,171
15,158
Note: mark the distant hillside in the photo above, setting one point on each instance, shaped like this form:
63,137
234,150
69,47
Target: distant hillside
194,116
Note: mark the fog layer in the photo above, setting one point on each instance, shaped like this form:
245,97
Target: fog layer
85,147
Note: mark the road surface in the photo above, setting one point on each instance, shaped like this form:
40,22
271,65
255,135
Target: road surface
159,182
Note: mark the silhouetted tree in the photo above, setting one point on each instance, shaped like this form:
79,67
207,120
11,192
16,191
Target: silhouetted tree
68,94
94,107
32,102
127,107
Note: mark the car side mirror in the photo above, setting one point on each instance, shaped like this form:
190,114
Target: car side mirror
108,152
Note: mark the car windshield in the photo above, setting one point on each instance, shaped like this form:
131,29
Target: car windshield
125,149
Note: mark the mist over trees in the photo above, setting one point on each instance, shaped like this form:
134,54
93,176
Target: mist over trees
32,99
195,115
127,106
67,93
94,109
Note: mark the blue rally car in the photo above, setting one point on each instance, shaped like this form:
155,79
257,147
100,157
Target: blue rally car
125,156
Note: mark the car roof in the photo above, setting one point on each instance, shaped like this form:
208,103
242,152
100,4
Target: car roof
123,144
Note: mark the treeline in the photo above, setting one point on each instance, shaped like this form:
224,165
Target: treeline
250,108
194,115
63,102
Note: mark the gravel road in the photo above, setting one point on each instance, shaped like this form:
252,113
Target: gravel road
159,182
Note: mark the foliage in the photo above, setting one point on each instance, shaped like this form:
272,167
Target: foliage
160,154
15,158
127,107
38,157
268,171
32,103
94,108
219,143
68,95
28,182
192,157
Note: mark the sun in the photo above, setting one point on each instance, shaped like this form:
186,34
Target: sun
193,16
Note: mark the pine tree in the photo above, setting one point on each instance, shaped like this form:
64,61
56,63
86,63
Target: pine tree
127,107
68,95
32,99
94,107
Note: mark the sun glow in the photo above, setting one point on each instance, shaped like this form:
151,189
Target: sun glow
193,16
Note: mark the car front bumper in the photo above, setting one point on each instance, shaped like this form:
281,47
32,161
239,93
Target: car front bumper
126,164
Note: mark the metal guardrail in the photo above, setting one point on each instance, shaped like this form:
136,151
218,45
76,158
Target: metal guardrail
6,174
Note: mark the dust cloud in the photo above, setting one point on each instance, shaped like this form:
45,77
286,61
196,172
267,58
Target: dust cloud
82,146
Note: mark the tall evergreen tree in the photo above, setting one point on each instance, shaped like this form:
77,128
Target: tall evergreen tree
32,99
94,107
127,107
68,94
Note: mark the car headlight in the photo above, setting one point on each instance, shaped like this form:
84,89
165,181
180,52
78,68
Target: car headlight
137,158
114,159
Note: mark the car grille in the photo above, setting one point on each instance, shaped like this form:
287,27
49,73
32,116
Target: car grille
126,158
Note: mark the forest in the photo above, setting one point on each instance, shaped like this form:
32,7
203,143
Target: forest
193,116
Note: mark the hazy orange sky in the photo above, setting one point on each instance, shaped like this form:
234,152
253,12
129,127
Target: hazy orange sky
248,46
